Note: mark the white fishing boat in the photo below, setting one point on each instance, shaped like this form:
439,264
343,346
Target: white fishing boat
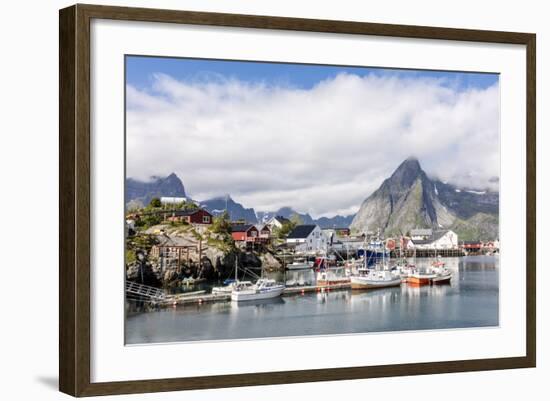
228,289
370,278
381,276
232,284
421,276
263,289
442,275
332,275
329,273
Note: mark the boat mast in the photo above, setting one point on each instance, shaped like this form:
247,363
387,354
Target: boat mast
236,267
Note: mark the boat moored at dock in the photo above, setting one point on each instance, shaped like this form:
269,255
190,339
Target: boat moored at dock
300,265
369,278
332,276
420,276
263,289
228,289
442,275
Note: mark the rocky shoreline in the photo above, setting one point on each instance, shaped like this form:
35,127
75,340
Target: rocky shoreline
213,263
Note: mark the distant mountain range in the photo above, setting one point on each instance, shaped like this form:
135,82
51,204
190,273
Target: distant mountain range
139,193
236,211
323,222
410,199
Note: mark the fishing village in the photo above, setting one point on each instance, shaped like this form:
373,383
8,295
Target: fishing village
181,254
255,206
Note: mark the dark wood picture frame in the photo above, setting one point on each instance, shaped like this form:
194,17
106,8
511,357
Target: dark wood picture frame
74,199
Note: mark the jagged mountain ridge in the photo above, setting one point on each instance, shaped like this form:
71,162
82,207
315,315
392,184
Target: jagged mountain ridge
323,222
335,222
140,193
286,212
410,199
236,211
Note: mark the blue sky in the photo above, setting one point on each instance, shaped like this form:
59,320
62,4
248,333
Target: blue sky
140,70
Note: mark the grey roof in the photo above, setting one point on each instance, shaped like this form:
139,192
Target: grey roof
239,228
421,231
434,237
302,231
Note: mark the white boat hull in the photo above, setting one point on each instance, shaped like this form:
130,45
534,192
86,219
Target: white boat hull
221,290
442,279
252,295
299,266
358,282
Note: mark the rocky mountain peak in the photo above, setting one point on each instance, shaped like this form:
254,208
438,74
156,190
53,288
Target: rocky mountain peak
141,192
172,177
410,199
407,173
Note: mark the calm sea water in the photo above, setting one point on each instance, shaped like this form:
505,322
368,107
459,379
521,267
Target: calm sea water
471,300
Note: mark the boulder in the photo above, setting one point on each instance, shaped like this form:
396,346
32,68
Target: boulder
270,262
133,273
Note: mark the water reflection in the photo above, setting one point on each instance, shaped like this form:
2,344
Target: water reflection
258,303
470,300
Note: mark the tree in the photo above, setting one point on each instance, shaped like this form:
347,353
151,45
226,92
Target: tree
221,224
155,202
150,220
186,205
286,228
296,220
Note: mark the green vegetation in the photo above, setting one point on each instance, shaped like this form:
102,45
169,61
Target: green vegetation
221,226
296,220
148,220
221,244
288,226
155,202
138,242
130,256
152,214
186,206
481,226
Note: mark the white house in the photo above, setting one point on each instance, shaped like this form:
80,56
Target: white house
172,200
308,238
443,239
276,222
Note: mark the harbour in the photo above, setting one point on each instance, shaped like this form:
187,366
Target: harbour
470,299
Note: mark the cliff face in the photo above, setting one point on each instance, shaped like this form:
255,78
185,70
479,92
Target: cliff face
410,199
141,192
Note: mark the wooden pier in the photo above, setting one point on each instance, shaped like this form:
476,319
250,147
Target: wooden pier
315,288
200,297
427,253
183,299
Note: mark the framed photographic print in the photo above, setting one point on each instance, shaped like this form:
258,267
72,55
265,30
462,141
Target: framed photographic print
250,200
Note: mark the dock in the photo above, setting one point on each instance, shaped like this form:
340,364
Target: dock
315,288
200,297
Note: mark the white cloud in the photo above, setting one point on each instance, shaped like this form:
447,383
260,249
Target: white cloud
321,150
